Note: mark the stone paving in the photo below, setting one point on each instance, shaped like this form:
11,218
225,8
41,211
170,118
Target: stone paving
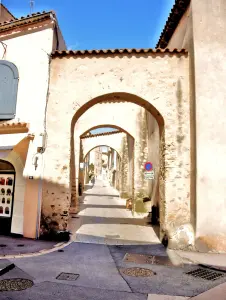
18,246
104,219
99,265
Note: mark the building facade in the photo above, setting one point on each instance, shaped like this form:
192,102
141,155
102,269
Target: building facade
180,92
25,48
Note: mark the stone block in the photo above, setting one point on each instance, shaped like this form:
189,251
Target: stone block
181,237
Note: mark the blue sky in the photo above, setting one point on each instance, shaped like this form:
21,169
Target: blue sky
103,24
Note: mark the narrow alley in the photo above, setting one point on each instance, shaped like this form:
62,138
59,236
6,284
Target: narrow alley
104,219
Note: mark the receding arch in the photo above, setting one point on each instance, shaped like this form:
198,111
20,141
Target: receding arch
85,155
116,178
108,126
119,97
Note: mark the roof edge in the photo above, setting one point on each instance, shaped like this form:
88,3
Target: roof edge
172,22
26,20
115,51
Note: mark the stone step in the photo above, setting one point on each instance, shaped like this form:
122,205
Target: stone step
114,240
5,266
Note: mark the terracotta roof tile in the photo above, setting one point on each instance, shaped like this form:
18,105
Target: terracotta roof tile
174,18
101,134
13,124
13,127
26,20
114,51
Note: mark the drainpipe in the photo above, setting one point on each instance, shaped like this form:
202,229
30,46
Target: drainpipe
43,160
39,200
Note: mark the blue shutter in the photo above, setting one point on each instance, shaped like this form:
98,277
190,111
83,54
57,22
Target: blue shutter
8,90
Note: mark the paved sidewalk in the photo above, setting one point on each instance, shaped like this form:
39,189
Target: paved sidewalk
18,246
104,219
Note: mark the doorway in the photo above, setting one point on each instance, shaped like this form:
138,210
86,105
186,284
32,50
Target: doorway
7,185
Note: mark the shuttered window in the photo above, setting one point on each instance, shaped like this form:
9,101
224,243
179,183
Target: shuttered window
8,90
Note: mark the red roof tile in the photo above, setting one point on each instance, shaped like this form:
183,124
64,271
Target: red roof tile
114,51
174,18
100,134
26,20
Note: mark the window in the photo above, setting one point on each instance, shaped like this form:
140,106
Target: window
8,89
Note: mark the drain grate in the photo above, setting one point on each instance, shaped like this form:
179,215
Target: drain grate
17,284
205,274
20,245
2,245
147,259
67,276
138,272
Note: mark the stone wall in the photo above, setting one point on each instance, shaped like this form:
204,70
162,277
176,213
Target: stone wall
158,82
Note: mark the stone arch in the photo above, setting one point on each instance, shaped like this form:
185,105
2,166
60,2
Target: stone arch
108,126
117,141
157,82
130,98
101,146
115,180
119,97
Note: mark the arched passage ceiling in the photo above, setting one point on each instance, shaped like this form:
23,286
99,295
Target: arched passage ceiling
114,141
122,115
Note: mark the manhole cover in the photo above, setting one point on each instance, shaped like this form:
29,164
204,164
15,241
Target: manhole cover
20,245
15,284
2,245
205,274
147,259
138,272
67,276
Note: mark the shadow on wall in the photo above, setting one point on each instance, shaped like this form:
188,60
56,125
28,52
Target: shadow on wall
55,213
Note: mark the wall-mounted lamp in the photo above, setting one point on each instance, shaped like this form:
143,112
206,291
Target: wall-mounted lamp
41,143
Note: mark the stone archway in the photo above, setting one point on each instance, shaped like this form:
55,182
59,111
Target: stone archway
117,98
121,140
157,82
115,163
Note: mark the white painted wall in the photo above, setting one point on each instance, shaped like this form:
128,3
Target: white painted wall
28,47
29,52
